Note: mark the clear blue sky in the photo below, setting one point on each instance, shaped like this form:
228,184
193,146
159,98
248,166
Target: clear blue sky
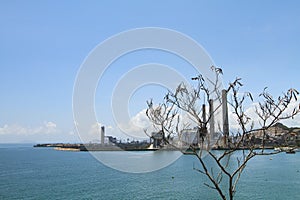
43,43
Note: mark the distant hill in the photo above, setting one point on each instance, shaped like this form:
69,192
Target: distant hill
289,129
282,126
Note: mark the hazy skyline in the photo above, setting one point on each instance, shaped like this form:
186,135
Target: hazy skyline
43,44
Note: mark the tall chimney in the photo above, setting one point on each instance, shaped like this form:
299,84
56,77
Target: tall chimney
211,119
204,124
203,113
102,134
225,117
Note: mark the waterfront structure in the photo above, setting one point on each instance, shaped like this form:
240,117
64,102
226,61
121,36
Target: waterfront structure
225,117
102,134
212,132
190,136
156,139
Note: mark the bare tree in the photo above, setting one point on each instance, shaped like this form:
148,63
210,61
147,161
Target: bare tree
231,151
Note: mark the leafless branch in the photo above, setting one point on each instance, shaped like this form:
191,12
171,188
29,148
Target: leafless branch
242,145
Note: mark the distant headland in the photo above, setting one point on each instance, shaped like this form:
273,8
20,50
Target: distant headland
279,137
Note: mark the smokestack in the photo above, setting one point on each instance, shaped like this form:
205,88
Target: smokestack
102,134
211,119
203,123
225,116
203,113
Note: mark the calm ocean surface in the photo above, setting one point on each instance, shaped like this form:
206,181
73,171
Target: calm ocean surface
44,173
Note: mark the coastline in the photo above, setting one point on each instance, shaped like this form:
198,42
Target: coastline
113,147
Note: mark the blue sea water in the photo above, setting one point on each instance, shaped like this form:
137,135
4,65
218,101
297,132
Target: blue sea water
44,173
